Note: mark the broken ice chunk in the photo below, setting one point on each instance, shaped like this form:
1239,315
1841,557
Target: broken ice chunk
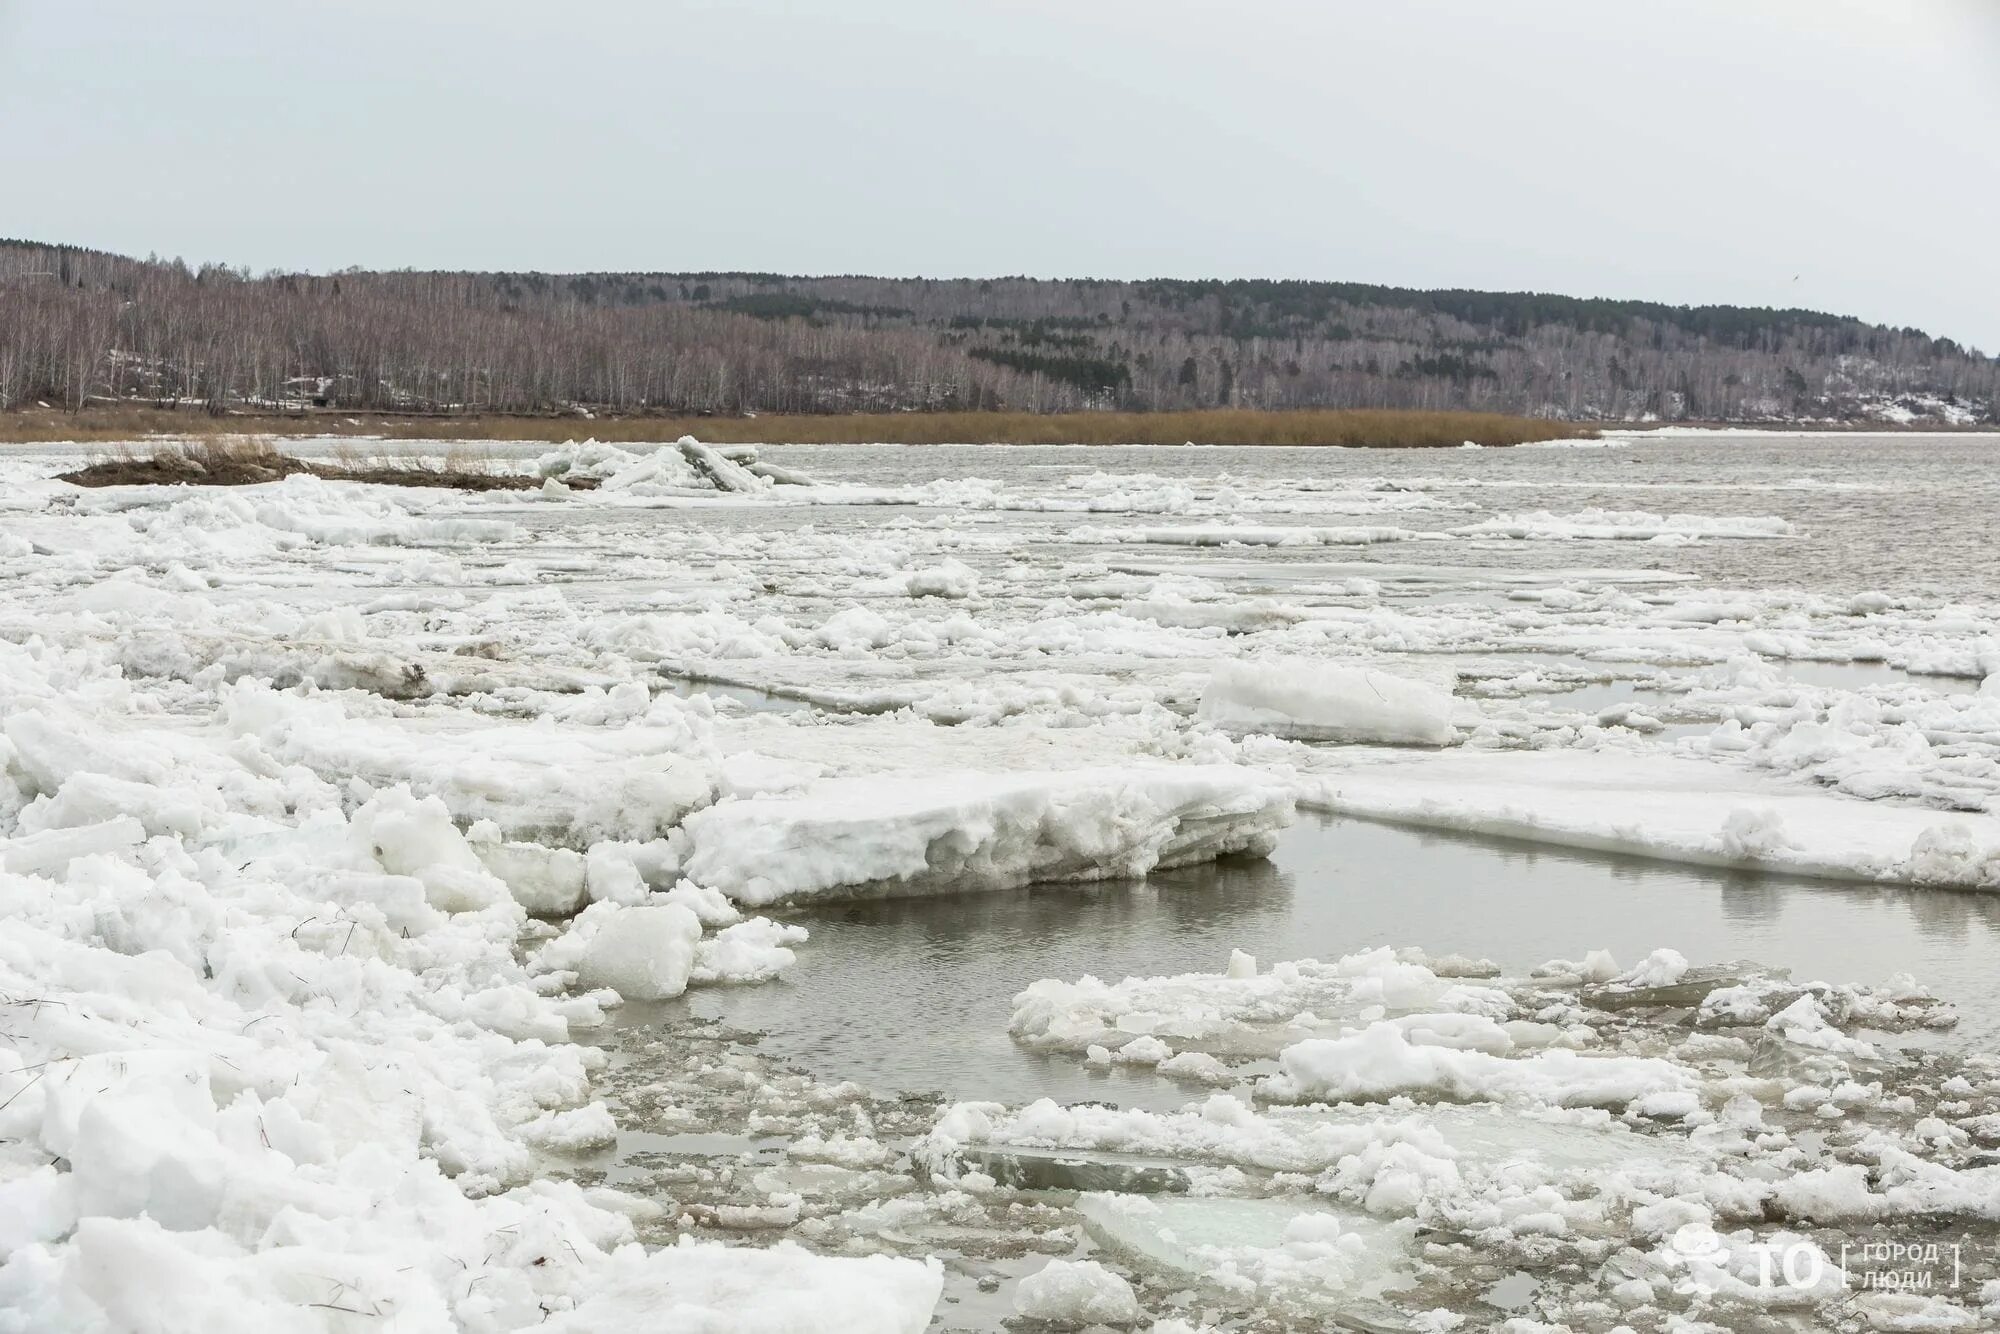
1380,1061
1076,1292
1242,1012
1078,1169
775,473
1314,701
1336,1258
548,882
1671,983
753,951
415,837
53,849
643,953
938,833
721,472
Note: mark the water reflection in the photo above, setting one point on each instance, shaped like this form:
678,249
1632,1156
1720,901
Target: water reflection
914,994
1518,903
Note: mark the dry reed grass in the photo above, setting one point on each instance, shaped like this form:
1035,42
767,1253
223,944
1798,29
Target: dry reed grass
1232,426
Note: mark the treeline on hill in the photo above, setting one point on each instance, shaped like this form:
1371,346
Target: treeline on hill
80,326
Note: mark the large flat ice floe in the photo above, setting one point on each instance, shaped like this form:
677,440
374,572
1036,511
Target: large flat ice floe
953,832
1676,809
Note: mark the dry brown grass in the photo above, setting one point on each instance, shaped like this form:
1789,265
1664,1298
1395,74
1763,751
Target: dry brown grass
1354,428
246,461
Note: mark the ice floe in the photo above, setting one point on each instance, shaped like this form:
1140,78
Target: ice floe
1310,701
1675,808
362,847
953,832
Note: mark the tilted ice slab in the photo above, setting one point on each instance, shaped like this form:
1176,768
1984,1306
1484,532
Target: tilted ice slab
1673,809
948,832
684,467
1289,1249
1317,701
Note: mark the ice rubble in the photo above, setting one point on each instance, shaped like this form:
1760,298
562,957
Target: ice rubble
272,1032
1229,1010
268,1017
314,1087
543,783
313,893
1772,1142
300,511
684,467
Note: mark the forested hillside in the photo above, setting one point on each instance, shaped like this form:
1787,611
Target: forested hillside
80,326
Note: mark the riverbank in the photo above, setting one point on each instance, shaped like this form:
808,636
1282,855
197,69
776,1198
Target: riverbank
1234,426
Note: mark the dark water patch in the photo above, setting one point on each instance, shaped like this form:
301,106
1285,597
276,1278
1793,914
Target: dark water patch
914,995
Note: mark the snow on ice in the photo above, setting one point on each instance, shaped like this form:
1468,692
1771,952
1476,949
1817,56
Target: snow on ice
1677,808
347,832
958,832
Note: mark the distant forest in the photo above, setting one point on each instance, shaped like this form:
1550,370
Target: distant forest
79,326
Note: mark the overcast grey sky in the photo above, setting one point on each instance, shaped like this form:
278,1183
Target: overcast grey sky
1838,154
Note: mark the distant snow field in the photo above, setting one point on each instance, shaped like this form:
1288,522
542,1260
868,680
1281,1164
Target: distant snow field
365,853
